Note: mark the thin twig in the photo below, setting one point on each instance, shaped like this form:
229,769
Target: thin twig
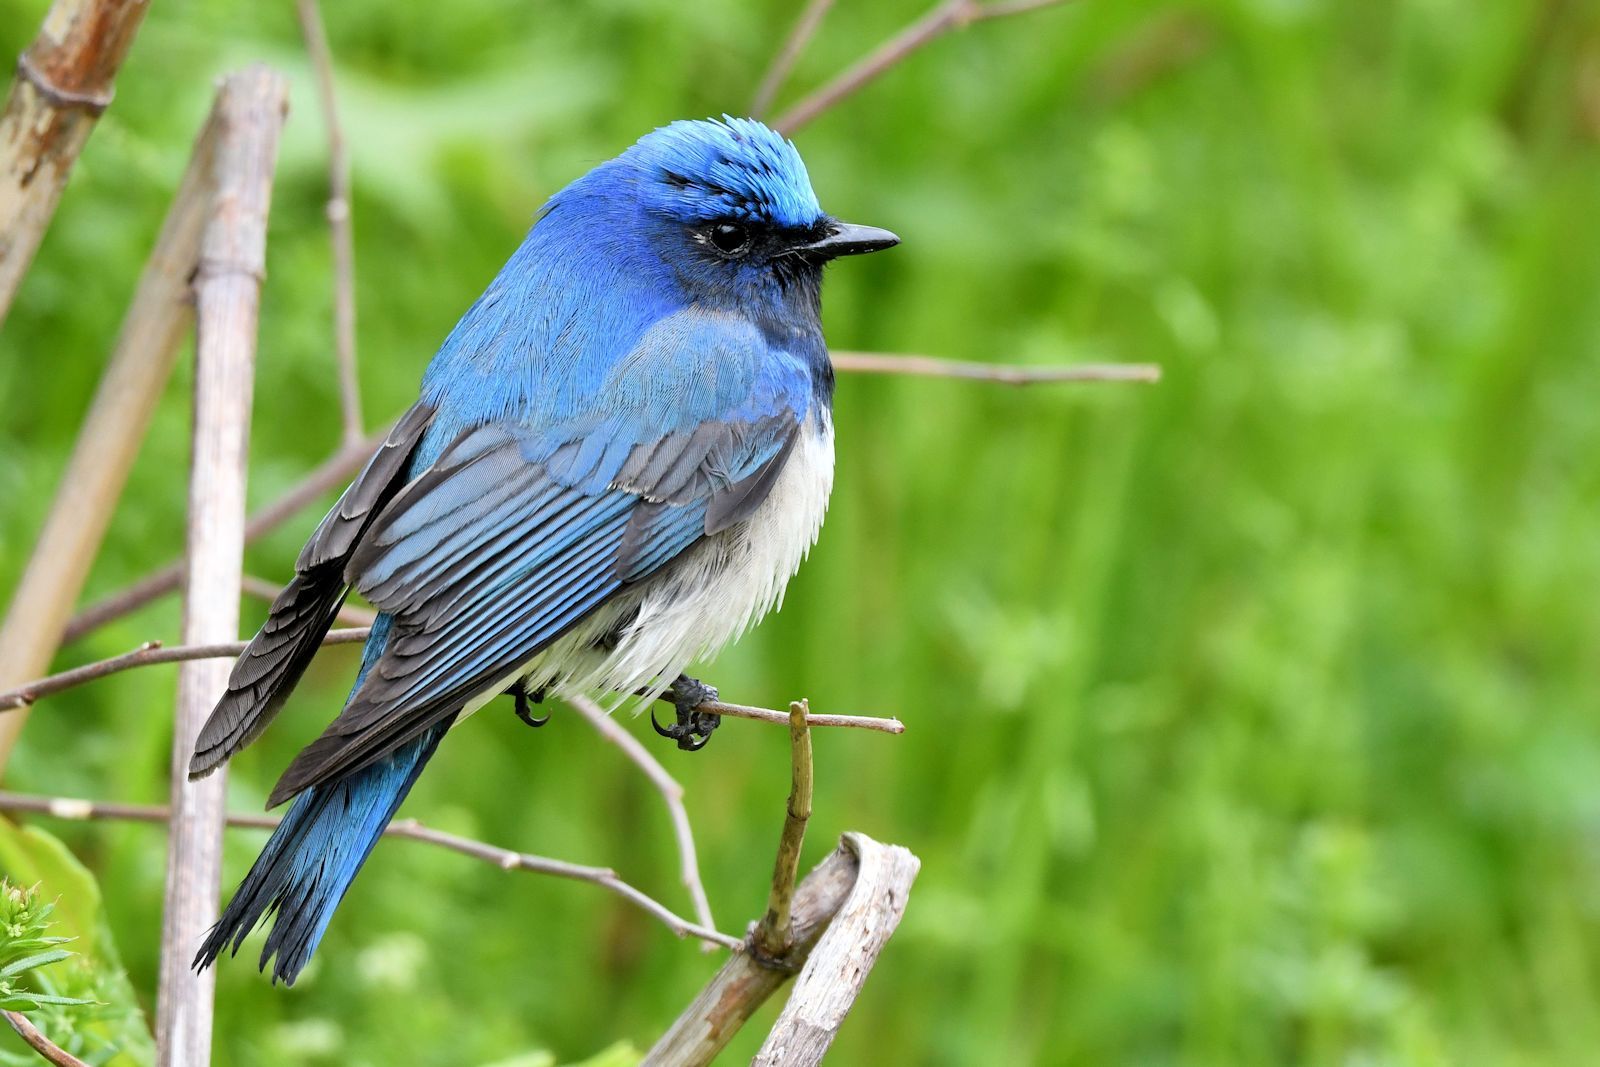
35,1039
943,17
339,222
773,936
1002,373
671,792
146,350
251,107
408,829
146,655
782,63
262,589
336,470
63,83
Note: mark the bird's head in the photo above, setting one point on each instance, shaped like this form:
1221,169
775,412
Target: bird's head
728,208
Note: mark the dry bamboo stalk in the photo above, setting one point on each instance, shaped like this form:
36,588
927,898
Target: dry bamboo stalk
146,349
250,111
63,83
832,977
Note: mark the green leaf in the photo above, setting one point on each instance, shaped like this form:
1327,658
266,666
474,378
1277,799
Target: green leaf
31,856
28,963
51,998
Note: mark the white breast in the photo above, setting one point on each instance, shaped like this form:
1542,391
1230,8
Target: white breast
712,595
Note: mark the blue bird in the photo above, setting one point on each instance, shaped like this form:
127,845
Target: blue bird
620,456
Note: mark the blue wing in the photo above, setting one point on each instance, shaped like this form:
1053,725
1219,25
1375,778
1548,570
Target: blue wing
514,534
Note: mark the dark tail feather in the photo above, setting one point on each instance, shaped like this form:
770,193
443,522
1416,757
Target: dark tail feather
312,858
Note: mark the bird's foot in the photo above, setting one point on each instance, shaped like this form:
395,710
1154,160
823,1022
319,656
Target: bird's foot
523,697
693,728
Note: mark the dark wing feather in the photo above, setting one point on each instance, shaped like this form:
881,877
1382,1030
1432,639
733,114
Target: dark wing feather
272,664
486,558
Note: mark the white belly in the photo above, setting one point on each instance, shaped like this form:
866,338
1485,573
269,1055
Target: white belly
698,604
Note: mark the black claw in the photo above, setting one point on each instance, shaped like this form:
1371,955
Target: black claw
520,694
693,727
662,730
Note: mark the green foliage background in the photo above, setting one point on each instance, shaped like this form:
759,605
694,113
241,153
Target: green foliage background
1252,716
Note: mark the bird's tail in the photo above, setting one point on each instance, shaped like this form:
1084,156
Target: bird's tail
312,858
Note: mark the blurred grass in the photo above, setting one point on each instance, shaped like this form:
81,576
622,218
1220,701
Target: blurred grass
1252,716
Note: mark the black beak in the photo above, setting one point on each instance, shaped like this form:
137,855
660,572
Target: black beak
848,239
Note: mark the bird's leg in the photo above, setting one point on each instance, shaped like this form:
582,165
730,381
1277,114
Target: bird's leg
520,693
693,728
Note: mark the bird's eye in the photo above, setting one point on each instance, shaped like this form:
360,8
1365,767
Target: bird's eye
730,238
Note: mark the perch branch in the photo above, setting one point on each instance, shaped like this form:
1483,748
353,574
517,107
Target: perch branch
857,895
63,83
838,966
35,1039
773,936
333,473
943,17
227,287
1003,373
804,29
339,222
141,362
408,829
671,792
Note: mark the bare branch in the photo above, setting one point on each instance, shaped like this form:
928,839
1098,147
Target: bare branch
943,17
804,29
773,936
408,829
262,589
339,222
63,83
250,111
141,362
1004,374
838,967
35,1039
333,473
671,792
146,655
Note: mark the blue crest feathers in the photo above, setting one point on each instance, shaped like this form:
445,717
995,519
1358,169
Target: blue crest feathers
700,170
